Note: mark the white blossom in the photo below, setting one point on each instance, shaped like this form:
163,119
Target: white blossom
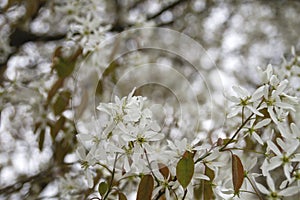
252,130
283,157
273,193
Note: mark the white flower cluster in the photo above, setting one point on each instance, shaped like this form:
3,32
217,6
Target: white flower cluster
129,132
131,144
86,19
130,121
270,124
264,146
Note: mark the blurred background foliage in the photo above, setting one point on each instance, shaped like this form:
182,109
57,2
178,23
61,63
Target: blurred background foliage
40,48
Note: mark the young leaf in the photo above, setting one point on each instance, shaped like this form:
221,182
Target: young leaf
145,188
237,173
63,67
61,102
164,170
102,188
185,169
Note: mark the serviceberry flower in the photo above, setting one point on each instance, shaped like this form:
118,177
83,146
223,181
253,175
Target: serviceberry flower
252,130
276,101
274,194
245,100
283,157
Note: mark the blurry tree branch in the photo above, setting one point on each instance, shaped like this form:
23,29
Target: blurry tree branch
168,7
117,27
42,178
20,37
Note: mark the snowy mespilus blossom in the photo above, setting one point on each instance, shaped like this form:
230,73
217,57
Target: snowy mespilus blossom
130,147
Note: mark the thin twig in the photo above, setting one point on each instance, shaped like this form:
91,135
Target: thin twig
112,177
240,128
148,161
254,187
184,195
172,5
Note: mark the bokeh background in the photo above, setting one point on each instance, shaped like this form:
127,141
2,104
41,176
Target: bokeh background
42,42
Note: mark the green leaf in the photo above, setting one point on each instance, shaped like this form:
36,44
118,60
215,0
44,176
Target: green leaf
185,169
122,196
145,188
102,188
61,102
237,173
63,67
208,192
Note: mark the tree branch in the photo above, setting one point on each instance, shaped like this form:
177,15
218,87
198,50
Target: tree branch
168,7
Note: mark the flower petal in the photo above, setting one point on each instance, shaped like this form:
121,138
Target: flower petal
289,191
273,147
262,189
257,138
262,123
270,183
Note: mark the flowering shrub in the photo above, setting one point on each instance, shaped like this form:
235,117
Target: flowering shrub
134,154
100,100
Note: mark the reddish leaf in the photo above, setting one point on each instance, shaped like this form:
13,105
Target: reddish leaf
164,170
185,169
145,188
237,173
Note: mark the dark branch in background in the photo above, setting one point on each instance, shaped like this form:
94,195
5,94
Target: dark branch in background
168,7
119,27
20,37
42,178
135,4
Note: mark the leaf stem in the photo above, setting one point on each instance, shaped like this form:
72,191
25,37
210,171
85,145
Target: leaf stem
202,157
185,192
236,132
